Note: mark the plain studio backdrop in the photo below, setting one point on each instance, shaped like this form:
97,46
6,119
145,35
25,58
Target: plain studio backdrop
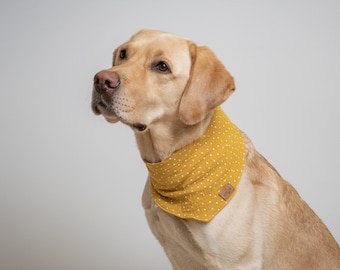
71,183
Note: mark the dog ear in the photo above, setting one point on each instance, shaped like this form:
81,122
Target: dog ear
209,85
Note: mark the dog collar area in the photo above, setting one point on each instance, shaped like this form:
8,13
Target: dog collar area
200,179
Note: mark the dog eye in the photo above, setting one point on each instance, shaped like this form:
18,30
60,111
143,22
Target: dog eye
162,67
122,54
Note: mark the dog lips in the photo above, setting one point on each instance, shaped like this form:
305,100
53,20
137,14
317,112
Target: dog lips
139,127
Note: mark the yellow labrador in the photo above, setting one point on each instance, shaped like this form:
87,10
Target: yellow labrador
211,199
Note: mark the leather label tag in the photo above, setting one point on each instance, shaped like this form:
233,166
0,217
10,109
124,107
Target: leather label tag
226,191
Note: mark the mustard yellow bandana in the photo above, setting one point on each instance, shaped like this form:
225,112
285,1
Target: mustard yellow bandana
198,180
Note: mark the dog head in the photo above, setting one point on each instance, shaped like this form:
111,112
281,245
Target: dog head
157,76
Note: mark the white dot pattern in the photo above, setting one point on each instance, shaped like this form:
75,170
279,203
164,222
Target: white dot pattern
187,184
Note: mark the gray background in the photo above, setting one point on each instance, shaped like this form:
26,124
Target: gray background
70,183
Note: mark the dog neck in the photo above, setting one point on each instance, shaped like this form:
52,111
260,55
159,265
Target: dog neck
198,180
163,139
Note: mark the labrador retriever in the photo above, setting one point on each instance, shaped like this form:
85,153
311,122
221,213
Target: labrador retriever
211,200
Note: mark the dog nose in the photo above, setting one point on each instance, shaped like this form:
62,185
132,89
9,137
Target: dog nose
105,82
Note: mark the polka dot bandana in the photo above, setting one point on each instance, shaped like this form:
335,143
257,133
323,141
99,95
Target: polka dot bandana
198,180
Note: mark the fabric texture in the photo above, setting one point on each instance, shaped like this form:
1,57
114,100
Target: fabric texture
200,179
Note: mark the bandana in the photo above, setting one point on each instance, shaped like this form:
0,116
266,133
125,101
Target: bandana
200,179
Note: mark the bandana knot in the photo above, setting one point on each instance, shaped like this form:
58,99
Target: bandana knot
200,179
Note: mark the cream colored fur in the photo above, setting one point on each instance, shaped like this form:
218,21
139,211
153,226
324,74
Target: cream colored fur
266,225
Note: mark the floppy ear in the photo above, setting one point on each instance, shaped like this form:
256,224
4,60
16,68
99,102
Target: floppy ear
209,85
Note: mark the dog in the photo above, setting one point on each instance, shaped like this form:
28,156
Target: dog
211,200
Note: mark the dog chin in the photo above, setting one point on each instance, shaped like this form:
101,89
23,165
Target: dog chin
111,119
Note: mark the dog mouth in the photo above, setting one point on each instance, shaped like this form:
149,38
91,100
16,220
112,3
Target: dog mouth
135,126
140,127
100,108
111,116
97,108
